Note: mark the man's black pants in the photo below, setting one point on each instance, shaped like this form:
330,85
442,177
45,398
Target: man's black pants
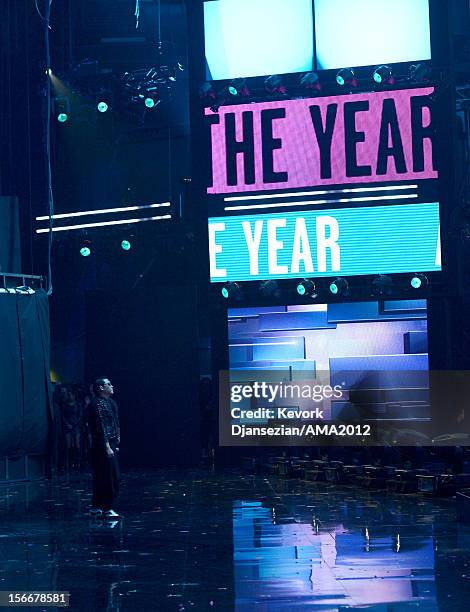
105,472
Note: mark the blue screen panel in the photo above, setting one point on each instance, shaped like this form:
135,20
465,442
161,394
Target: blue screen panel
343,242
245,38
353,33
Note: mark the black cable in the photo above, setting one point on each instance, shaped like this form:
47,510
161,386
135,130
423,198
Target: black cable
38,11
50,196
137,13
159,14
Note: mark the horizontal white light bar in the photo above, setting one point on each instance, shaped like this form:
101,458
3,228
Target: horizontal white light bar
101,211
265,344
337,201
103,224
299,194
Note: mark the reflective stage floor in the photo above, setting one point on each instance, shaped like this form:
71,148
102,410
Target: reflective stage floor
200,541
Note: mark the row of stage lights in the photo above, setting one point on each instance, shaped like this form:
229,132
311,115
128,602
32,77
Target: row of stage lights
62,106
139,90
274,85
381,286
86,247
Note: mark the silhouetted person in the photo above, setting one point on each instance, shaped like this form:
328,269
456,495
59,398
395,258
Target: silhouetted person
72,428
103,422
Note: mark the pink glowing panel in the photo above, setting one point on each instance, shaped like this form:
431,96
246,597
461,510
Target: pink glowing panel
336,140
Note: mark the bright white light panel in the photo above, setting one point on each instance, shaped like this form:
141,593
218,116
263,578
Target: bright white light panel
246,38
368,32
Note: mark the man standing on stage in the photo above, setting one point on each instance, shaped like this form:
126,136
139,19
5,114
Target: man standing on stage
103,422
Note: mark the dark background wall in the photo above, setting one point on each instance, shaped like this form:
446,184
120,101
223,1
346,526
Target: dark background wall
146,342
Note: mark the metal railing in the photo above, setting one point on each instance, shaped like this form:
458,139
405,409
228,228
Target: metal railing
20,283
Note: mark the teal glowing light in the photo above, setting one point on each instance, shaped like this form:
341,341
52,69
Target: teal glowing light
301,290
225,293
149,102
62,117
232,90
85,251
102,107
416,282
125,245
377,77
340,80
334,288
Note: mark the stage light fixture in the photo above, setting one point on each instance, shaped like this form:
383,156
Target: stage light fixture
339,287
238,87
207,91
382,285
274,85
269,288
151,98
420,72
61,109
125,245
346,76
102,106
306,288
419,281
85,248
382,75
310,80
231,291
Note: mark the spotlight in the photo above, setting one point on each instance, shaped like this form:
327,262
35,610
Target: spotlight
310,80
125,245
151,98
206,90
238,87
306,288
231,291
274,85
102,106
61,109
383,75
270,288
420,72
85,249
382,285
346,76
340,286
419,281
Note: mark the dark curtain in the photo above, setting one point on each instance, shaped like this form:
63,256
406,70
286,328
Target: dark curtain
25,395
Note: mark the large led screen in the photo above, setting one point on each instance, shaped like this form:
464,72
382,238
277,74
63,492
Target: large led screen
326,141
368,32
245,38
346,242
335,185
365,347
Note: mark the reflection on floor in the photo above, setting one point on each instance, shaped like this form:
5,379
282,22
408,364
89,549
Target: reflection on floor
199,541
